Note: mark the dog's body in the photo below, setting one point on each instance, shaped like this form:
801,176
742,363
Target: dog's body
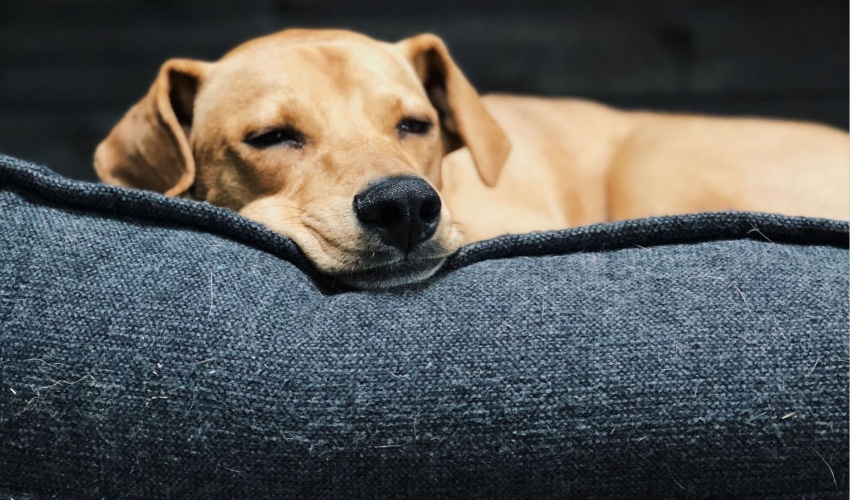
575,163
329,138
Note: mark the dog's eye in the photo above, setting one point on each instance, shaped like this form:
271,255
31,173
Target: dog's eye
413,126
280,136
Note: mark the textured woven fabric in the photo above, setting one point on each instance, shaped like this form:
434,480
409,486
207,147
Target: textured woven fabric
163,348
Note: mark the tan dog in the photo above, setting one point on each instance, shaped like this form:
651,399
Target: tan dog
339,141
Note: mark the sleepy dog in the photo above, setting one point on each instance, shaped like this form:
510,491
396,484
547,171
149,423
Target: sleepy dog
379,160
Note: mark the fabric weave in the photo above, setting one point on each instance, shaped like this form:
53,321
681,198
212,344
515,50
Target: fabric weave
163,348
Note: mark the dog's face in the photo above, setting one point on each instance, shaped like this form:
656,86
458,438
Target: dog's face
330,138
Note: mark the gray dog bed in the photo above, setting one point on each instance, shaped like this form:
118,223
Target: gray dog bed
164,348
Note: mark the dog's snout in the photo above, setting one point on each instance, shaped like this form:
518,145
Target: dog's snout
404,211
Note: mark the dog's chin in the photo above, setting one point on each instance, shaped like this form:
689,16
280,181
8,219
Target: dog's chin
390,275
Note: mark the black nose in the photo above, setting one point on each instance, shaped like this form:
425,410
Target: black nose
403,211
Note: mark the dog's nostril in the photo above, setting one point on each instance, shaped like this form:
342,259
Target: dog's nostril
430,209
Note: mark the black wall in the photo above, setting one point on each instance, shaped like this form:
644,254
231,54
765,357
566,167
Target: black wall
70,68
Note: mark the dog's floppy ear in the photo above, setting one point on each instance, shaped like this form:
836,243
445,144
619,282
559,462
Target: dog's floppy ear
462,114
149,148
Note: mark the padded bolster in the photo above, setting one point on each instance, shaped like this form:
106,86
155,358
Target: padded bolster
164,348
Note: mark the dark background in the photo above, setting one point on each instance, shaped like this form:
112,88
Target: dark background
69,69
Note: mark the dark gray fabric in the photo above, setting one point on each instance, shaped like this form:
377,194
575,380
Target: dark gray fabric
161,348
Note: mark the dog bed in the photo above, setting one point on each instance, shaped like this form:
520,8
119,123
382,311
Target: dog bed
163,348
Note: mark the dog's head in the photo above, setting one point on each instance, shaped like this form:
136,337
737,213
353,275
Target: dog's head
328,137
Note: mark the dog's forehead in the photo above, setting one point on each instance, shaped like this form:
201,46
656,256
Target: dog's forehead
320,54
319,67
308,75
300,37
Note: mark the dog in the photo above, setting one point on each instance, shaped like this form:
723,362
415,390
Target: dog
380,159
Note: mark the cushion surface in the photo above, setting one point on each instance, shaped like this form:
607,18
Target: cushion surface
162,348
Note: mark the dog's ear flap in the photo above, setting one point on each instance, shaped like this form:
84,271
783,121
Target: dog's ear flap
462,113
149,148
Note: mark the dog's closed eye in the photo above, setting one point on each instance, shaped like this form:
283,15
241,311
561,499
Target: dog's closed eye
414,126
284,136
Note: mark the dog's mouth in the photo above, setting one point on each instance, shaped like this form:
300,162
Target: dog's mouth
390,274
361,257
368,264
